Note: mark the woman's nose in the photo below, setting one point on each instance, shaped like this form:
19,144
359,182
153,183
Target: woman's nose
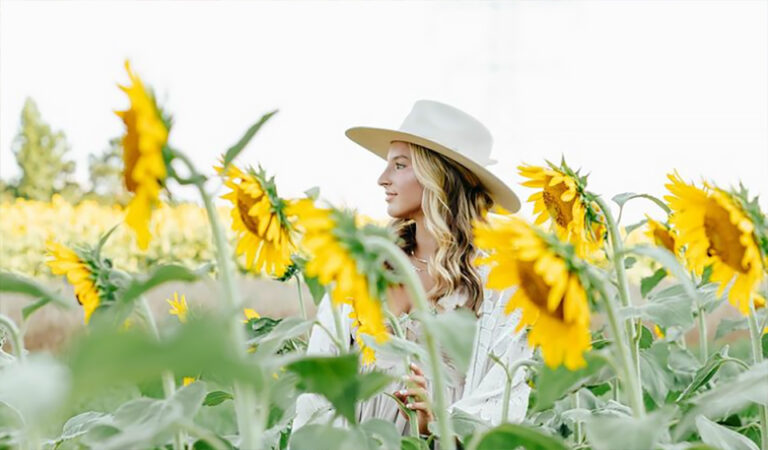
384,179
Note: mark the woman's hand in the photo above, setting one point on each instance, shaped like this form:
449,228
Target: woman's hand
419,401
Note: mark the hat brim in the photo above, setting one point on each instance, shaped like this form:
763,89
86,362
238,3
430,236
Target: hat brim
378,141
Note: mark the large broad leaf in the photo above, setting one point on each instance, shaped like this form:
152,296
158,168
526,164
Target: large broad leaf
313,437
554,384
727,397
648,283
160,275
201,346
235,150
455,331
383,432
145,422
516,436
727,326
36,388
611,431
338,380
719,436
654,377
669,307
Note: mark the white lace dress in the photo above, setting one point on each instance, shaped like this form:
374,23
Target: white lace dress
479,392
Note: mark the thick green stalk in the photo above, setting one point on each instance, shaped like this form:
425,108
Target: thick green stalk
412,420
621,343
704,352
578,434
13,330
302,308
339,331
169,385
419,297
510,374
618,259
244,401
757,357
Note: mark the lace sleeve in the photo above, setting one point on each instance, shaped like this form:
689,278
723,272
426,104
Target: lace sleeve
497,335
314,407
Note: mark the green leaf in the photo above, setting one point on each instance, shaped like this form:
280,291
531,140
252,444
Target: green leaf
315,288
32,307
727,397
513,436
646,338
82,423
648,283
668,307
21,285
654,378
160,275
235,150
455,331
554,384
630,228
412,443
764,343
621,199
382,431
612,431
629,261
719,436
682,361
727,326
313,437
337,379
216,397
396,346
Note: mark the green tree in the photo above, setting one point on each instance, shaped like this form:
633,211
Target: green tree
106,174
40,153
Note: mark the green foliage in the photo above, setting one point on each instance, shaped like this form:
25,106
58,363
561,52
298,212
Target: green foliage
40,153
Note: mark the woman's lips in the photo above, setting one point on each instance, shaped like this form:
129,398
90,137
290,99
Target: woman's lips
390,196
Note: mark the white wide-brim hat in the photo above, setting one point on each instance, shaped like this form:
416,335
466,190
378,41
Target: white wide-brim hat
448,131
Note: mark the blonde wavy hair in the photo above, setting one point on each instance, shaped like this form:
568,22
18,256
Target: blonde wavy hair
453,197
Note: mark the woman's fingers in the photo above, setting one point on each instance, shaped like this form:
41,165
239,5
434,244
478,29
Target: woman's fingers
418,380
418,406
418,393
417,370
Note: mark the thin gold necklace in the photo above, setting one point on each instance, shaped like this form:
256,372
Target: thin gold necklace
423,261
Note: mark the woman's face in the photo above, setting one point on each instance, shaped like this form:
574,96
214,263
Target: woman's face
403,191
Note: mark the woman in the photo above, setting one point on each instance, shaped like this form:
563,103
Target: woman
436,183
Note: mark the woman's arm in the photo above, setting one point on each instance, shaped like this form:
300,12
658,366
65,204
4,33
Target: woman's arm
497,336
311,408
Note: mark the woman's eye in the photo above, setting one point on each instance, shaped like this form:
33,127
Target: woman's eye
398,165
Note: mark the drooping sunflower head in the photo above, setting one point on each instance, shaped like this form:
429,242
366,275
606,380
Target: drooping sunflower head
265,235
549,287
722,230
562,199
662,235
85,273
338,258
144,172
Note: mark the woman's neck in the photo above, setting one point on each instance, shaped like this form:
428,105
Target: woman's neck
426,245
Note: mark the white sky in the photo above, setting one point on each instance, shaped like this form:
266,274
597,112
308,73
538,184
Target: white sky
626,90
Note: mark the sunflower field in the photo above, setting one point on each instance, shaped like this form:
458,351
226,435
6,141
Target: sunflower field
617,314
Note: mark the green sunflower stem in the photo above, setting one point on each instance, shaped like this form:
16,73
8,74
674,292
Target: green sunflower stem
510,375
18,343
244,400
412,282
621,343
703,336
618,258
412,420
302,308
757,357
169,384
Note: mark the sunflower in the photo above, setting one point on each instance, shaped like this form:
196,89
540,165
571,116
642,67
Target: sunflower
718,229
662,235
179,307
79,273
249,314
146,134
329,234
259,219
563,200
550,292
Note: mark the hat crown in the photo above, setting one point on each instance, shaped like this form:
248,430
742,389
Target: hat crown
452,128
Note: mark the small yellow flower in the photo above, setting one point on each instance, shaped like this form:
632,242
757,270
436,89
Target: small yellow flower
144,173
549,289
186,381
717,232
659,332
179,307
332,264
250,314
79,274
263,231
562,199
